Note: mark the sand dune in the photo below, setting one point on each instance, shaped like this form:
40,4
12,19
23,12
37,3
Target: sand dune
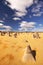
12,48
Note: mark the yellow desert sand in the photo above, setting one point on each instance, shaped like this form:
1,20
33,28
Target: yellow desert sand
12,48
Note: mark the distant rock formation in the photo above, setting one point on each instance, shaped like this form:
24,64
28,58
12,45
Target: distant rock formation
26,40
9,34
15,35
3,33
29,54
36,35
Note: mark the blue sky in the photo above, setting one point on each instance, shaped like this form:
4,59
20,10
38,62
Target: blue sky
21,15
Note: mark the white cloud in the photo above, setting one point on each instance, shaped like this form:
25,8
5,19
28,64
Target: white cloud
1,25
1,21
40,25
7,28
37,7
20,5
37,10
21,13
16,18
40,29
38,14
30,26
25,26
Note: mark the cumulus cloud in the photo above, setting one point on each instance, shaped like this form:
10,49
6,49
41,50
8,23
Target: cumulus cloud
37,10
30,26
39,29
38,14
25,26
37,7
6,28
1,25
1,21
20,5
16,18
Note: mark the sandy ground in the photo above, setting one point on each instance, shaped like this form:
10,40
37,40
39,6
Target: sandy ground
12,49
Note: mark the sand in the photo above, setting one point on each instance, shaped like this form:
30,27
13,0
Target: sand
12,49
